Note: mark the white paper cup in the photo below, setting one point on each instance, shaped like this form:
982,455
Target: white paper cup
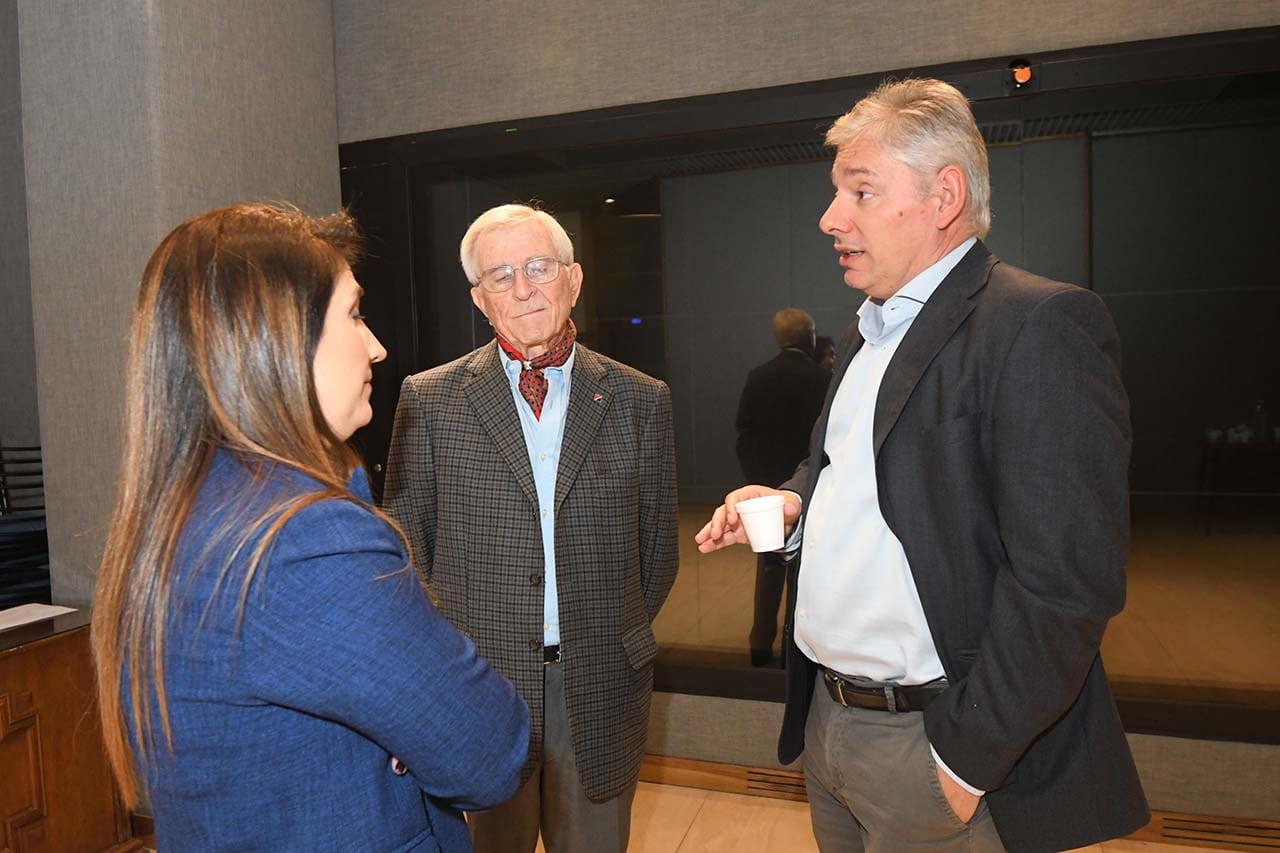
762,520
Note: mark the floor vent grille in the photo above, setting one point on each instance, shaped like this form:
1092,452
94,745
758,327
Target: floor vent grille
1220,832
780,784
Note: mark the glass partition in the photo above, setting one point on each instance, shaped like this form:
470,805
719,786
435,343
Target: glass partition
1160,198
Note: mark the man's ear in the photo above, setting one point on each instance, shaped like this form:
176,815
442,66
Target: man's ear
575,283
476,298
951,192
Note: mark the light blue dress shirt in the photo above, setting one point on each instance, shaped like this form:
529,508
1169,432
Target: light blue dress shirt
542,438
857,608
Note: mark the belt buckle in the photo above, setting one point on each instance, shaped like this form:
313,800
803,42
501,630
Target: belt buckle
885,698
838,683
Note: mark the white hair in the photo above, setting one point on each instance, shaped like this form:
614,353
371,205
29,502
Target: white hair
503,216
926,125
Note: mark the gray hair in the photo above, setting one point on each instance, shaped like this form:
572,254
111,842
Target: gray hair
926,125
504,216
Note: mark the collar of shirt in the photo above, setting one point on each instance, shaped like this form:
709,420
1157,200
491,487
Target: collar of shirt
879,323
512,367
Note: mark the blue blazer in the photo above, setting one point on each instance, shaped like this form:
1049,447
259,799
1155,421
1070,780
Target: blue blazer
285,721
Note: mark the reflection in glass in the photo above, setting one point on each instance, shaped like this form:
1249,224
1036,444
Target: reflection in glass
687,259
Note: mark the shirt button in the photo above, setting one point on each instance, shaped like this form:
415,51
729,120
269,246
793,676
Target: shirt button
801,612
546,626
542,457
545,513
535,578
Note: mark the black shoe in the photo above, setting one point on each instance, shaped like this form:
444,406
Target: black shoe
761,657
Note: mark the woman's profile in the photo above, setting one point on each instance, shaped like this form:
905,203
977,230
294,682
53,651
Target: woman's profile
270,672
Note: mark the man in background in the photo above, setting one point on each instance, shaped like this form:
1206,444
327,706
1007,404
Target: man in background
779,403
824,351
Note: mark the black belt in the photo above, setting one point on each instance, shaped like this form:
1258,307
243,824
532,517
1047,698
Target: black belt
550,654
877,695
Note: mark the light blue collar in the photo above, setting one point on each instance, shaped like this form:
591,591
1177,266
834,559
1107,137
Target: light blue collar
879,323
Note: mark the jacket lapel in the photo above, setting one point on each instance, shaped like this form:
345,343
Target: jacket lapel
489,394
946,309
589,399
848,348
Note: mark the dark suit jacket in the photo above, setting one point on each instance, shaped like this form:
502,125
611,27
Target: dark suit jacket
779,404
1002,439
460,484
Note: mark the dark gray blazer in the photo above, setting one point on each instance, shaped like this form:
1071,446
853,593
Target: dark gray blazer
1002,439
460,484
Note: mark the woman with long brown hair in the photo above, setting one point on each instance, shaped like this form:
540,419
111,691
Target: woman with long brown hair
269,669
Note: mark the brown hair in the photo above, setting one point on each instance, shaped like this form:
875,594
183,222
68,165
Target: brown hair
793,327
224,335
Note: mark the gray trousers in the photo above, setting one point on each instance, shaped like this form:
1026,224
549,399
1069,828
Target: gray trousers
873,785
552,800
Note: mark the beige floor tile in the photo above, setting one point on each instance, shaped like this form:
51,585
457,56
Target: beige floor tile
662,816
732,823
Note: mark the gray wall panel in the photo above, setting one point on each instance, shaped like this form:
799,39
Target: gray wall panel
91,172
1005,237
135,116
19,421
406,67
244,100
1055,207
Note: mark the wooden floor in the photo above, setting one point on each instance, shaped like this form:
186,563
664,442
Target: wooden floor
671,819
674,819
1202,618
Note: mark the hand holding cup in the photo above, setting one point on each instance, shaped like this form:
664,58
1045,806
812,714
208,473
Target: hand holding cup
726,525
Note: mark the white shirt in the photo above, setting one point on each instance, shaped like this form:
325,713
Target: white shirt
857,609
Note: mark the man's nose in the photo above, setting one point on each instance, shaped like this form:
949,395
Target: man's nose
521,287
829,222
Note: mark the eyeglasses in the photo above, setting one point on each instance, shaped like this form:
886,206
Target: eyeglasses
536,271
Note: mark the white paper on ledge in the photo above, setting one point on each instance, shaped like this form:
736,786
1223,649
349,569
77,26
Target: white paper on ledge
24,613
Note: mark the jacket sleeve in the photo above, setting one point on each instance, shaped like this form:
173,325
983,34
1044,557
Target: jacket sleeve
1060,452
409,493
659,535
338,628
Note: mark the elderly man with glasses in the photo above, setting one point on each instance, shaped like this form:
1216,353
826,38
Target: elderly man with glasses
535,481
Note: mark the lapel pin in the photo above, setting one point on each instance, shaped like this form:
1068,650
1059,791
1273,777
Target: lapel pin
598,397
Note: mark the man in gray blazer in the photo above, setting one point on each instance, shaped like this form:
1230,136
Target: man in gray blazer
961,520
535,481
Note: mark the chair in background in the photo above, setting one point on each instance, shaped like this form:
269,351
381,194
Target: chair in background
24,539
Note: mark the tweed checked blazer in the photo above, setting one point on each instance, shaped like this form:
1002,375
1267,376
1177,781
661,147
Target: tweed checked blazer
460,484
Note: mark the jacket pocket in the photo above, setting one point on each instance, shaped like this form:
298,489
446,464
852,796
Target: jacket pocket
423,842
954,430
640,645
